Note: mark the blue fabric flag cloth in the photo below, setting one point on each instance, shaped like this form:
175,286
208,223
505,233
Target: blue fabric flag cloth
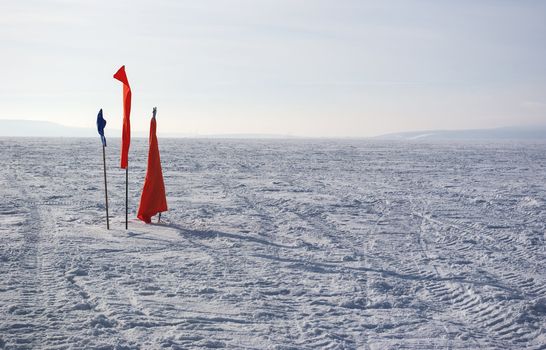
101,123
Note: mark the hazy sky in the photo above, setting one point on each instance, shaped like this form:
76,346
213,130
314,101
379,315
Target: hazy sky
309,68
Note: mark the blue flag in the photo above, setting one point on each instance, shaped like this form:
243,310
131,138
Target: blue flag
101,123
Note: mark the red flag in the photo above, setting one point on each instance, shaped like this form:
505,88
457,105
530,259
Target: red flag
126,132
153,199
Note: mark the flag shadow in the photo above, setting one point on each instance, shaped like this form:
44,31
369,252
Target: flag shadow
210,234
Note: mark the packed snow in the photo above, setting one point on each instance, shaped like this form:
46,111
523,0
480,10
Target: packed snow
275,244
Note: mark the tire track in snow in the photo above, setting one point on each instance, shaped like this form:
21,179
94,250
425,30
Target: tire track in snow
49,310
20,330
496,321
271,211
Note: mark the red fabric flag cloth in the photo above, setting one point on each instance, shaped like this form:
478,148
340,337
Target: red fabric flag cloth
153,199
126,131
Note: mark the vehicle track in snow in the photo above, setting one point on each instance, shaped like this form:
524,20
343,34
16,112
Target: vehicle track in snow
500,321
46,308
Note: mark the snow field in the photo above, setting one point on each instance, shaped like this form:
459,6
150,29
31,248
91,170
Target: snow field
283,244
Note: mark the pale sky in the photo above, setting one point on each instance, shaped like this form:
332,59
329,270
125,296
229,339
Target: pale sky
306,68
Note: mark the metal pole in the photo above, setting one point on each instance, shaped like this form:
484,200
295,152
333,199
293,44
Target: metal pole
105,187
126,195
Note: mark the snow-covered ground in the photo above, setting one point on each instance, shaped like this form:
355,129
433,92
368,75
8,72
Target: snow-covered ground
297,244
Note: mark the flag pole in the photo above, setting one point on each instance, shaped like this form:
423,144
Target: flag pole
105,187
125,135
126,195
101,123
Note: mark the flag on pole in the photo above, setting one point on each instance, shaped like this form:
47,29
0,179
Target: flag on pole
101,123
153,199
126,132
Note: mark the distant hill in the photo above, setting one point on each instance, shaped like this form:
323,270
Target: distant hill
36,128
505,133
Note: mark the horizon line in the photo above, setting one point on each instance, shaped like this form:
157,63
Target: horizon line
260,135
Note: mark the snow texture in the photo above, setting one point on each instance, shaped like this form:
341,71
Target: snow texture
277,244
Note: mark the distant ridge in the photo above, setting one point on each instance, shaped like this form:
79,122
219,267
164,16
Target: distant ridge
504,133
37,128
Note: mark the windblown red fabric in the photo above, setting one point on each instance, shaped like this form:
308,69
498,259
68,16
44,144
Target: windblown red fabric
126,131
153,199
